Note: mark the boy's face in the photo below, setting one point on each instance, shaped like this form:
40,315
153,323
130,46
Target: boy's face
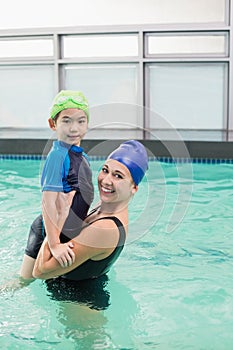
70,126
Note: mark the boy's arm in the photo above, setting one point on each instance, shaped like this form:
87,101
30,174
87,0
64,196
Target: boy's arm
55,209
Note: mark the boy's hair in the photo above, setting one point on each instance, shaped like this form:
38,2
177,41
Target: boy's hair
69,99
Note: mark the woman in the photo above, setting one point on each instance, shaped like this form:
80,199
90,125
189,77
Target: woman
102,238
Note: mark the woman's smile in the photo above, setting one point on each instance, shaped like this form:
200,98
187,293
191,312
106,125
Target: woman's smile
106,190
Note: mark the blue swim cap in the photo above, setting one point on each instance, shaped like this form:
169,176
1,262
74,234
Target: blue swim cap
133,155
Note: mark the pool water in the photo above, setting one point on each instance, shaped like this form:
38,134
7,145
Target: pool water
171,288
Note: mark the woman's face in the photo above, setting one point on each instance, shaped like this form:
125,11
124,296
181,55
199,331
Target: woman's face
115,182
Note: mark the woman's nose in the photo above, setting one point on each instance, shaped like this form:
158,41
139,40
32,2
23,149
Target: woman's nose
107,179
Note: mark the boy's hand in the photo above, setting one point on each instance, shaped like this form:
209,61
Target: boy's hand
63,253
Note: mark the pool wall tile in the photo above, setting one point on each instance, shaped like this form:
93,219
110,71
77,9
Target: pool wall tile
100,158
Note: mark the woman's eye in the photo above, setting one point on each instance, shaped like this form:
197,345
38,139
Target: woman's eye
118,176
104,170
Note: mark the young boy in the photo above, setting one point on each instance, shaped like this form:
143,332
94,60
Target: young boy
66,181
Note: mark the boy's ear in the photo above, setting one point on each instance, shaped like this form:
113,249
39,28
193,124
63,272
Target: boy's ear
52,124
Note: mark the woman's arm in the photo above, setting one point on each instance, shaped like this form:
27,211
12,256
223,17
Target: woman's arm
96,242
46,266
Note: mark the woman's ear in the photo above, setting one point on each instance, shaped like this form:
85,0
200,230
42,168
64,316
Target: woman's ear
52,124
134,189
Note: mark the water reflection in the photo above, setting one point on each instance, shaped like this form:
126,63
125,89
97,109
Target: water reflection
97,314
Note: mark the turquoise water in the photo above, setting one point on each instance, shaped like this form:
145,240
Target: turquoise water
171,288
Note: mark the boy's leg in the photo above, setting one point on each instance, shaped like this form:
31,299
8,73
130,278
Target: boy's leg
27,267
35,240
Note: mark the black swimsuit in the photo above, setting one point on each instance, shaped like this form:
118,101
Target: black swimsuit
87,283
95,268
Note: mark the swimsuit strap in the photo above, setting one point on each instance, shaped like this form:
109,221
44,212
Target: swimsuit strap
120,228
93,211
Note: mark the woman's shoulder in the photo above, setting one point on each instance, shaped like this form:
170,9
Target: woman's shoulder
101,232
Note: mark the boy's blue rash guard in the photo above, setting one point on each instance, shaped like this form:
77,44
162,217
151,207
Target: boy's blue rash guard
64,168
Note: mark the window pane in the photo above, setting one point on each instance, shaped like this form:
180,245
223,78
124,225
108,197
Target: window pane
172,11
26,48
100,45
175,11
187,44
73,13
152,12
187,95
26,94
112,93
